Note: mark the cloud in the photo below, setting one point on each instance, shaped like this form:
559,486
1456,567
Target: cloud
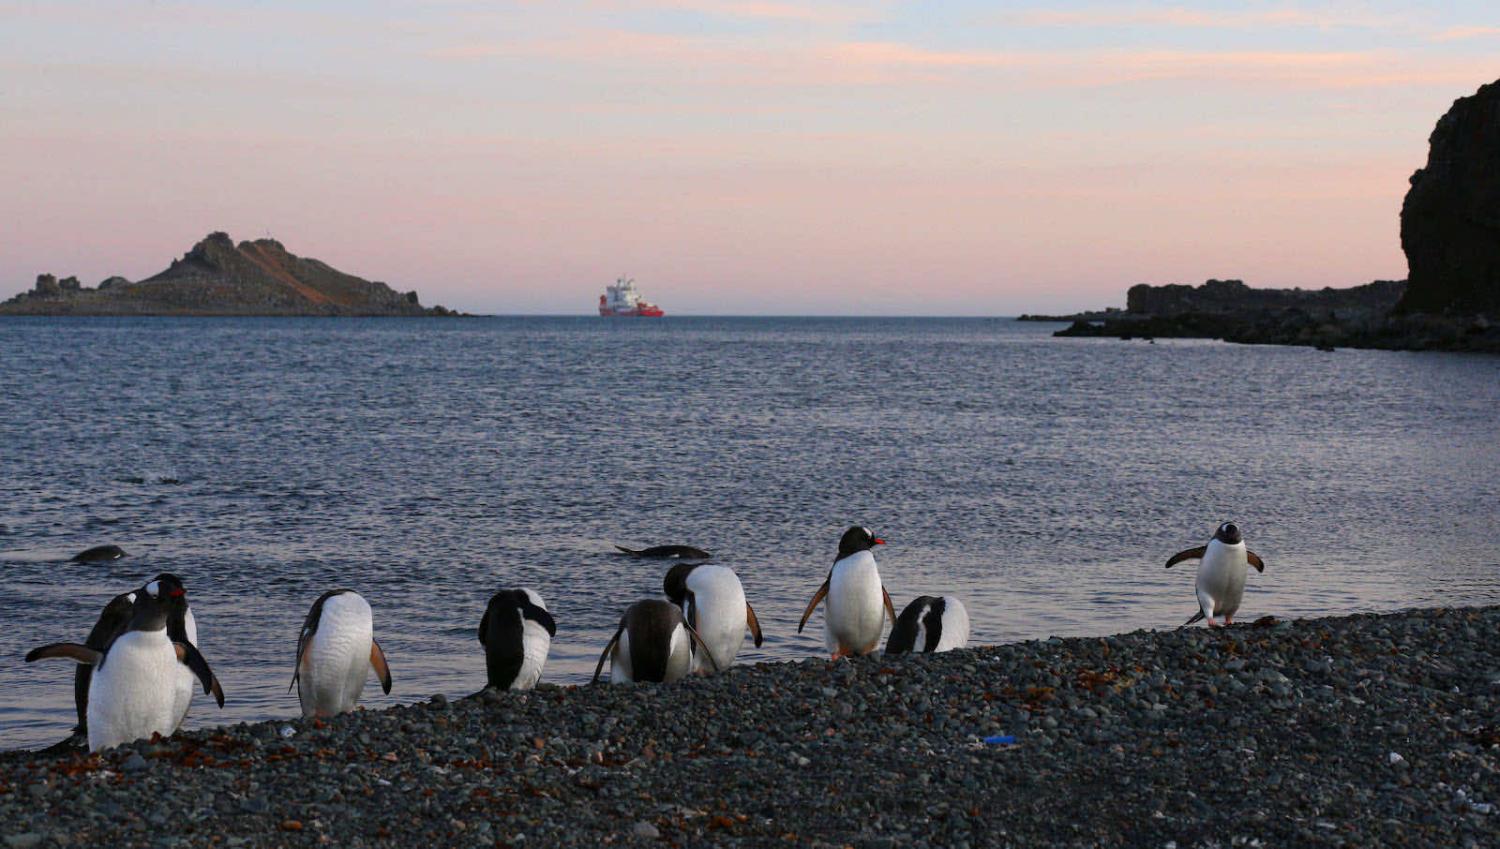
1180,17
1462,33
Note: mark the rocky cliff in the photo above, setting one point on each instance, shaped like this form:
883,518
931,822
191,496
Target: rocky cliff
1450,220
218,277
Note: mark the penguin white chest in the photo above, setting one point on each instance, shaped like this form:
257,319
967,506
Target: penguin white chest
1221,578
855,614
336,661
132,694
718,605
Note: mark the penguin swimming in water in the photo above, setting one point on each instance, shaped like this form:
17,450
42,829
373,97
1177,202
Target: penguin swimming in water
516,632
928,625
713,602
132,693
335,652
99,554
1222,567
653,643
664,552
854,617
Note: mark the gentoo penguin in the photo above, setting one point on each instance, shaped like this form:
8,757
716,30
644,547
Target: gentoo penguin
1222,568
853,619
335,653
663,552
99,554
653,643
928,625
132,693
113,621
713,601
516,633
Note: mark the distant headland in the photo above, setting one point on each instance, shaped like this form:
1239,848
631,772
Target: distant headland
1450,231
218,277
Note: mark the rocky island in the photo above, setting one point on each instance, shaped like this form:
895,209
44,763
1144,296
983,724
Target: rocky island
218,277
1450,232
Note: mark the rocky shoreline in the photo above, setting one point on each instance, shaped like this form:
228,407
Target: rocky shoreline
1350,731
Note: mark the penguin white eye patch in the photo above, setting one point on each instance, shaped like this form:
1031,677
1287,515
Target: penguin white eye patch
153,589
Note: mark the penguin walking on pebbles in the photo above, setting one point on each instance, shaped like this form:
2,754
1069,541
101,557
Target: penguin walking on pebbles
132,693
516,632
713,602
335,652
857,601
1222,567
928,625
653,643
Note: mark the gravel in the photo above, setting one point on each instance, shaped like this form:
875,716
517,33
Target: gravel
1353,731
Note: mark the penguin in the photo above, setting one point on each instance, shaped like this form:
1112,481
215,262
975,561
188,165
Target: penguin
928,625
1222,568
653,643
132,693
99,554
516,632
335,653
853,619
114,620
713,602
666,552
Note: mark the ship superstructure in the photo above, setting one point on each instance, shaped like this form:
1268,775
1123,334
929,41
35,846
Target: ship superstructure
623,300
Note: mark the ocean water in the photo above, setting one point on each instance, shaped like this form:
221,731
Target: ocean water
429,463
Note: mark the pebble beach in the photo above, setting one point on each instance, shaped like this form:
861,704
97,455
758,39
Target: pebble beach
1350,731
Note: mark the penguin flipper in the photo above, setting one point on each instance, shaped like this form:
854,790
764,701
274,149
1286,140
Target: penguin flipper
1190,554
812,605
1254,560
382,669
889,608
631,551
540,616
189,656
753,622
702,645
66,651
608,647
1196,617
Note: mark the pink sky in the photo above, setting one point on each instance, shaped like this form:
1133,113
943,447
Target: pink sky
735,157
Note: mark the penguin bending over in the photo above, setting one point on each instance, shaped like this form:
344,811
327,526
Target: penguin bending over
132,693
713,602
1222,567
335,653
853,619
653,643
928,625
516,632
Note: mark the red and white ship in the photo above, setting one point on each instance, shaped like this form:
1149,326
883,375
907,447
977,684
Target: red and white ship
623,301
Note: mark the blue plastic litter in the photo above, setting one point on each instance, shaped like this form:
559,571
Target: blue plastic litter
1001,740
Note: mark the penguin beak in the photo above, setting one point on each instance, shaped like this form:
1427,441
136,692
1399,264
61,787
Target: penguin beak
177,592
879,541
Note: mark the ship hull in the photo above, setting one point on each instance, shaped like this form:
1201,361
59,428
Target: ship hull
650,312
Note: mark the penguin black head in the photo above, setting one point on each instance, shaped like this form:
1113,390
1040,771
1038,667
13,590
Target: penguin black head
1228,533
857,539
152,603
674,585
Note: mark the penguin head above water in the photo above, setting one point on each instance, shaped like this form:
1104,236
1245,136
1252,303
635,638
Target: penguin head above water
857,539
1229,534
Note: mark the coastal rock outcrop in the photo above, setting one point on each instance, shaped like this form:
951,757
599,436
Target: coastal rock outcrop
219,277
1450,220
